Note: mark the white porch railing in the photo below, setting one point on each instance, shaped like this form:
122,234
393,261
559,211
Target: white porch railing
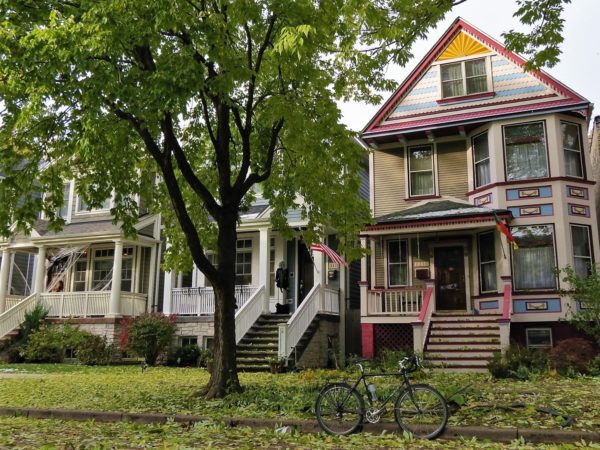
201,301
318,300
248,314
12,300
90,303
14,317
398,302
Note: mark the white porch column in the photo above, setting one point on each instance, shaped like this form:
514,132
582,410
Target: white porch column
263,265
114,309
151,278
4,278
318,268
364,284
40,270
168,294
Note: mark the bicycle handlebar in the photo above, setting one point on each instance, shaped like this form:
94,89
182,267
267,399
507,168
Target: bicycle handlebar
404,364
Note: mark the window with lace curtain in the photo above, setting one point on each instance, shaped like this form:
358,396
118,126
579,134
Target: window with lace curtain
582,250
525,150
572,147
534,262
420,170
464,78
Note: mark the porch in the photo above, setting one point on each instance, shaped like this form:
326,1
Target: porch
200,301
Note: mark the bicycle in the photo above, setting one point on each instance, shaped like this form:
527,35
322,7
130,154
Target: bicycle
419,409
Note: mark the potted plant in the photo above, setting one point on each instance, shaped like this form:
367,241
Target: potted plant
276,364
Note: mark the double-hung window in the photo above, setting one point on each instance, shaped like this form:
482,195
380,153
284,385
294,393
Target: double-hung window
525,148
582,250
481,159
487,262
464,78
103,266
243,262
534,262
420,170
571,142
397,254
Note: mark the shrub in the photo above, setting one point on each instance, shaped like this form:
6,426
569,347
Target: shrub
518,362
32,321
45,345
206,357
594,367
572,355
389,359
92,350
148,335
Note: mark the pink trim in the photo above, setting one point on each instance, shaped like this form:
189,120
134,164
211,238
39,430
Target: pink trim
466,98
368,340
426,61
423,223
506,304
532,181
426,300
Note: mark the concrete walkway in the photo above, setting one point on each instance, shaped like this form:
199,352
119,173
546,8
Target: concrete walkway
308,426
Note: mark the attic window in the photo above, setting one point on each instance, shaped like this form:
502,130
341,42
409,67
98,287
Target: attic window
464,78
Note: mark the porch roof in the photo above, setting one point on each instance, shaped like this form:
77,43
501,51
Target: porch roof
442,212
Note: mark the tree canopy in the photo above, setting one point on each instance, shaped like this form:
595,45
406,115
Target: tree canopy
213,96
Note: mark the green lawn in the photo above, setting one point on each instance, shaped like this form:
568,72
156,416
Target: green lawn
20,433
170,390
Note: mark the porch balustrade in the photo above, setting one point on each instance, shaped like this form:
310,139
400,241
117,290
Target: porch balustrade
90,304
12,300
398,302
201,301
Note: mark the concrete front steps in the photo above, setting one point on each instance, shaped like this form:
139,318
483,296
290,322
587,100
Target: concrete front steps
260,343
462,342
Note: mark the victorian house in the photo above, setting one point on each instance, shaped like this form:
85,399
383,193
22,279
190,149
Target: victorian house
471,143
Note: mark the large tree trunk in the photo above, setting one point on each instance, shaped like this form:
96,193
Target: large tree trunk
224,378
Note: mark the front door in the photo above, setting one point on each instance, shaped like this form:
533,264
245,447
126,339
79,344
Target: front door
450,278
305,272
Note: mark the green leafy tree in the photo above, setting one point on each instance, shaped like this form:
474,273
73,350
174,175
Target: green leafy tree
216,98
585,290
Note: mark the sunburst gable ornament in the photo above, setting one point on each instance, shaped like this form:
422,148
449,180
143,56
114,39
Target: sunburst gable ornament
463,45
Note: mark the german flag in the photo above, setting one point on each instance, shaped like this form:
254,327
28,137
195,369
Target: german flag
502,228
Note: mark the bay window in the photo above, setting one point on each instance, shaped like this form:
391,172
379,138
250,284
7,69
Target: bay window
397,256
582,250
464,78
525,150
420,170
481,159
572,148
487,262
534,261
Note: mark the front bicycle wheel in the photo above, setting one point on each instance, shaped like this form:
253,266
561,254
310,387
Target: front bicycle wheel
422,411
339,409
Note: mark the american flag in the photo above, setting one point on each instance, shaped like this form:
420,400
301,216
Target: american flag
329,252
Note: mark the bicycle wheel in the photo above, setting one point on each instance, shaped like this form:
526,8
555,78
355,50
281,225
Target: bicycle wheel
422,411
339,409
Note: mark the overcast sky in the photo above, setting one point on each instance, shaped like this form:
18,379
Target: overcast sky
579,66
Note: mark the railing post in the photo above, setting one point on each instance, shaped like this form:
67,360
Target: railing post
504,322
418,338
4,278
363,283
282,350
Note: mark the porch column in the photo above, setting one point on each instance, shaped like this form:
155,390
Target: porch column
40,270
318,268
151,278
168,294
114,308
4,278
263,266
364,284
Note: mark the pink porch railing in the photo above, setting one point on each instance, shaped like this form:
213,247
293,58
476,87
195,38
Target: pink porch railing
398,302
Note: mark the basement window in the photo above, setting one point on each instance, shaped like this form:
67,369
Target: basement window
539,337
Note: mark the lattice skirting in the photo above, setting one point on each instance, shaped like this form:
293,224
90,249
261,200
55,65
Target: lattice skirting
393,336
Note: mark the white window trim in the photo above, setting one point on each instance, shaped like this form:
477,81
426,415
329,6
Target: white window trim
512,268
539,329
475,162
590,258
249,250
433,169
579,152
462,60
408,263
480,262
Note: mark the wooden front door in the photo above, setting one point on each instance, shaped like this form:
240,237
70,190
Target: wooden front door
450,291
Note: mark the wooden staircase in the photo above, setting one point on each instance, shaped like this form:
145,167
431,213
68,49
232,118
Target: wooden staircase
260,343
462,342
9,338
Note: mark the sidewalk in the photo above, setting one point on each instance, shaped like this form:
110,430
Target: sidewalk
548,436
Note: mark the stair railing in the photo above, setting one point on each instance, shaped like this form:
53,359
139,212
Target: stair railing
12,318
248,314
291,332
421,326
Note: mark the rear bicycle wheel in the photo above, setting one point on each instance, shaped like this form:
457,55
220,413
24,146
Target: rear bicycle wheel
339,409
422,411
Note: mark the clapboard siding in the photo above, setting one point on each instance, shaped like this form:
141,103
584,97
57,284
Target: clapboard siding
390,189
453,169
